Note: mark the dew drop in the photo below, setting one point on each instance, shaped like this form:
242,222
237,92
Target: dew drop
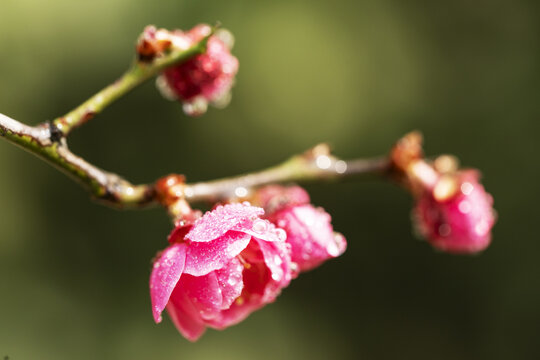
228,68
223,99
281,234
467,188
260,226
338,246
196,107
240,191
332,249
445,230
277,260
341,166
465,207
481,228
226,37
164,89
323,162
188,192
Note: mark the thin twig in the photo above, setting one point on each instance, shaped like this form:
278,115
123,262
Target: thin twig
138,73
315,164
102,185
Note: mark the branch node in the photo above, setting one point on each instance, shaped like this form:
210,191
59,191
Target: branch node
55,134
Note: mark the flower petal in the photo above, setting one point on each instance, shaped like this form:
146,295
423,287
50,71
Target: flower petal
217,222
238,311
204,293
277,259
204,257
461,224
230,281
262,229
255,276
165,275
310,233
185,316
274,198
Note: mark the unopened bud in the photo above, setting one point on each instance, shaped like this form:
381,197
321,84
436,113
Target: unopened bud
203,79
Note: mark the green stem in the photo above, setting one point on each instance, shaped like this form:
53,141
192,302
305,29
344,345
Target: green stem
138,73
104,186
314,165
47,141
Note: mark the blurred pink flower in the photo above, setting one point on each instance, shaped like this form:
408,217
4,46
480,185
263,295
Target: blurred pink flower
452,211
205,78
456,214
229,264
309,229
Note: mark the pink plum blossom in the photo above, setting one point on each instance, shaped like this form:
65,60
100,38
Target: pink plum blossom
229,264
309,229
452,211
205,78
456,214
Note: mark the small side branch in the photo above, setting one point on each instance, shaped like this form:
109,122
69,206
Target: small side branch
139,72
316,164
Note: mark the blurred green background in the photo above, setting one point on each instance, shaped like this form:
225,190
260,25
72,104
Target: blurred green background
358,74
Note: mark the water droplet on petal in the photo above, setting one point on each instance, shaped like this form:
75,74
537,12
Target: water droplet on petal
445,230
482,228
224,98
260,226
339,239
276,276
226,37
164,89
281,234
196,107
467,188
465,207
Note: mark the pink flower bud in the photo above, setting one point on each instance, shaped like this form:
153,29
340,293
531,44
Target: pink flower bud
309,229
456,214
453,211
229,264
205,78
